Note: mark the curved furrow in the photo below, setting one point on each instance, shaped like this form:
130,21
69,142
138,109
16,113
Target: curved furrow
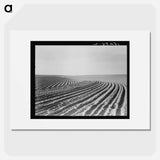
60,104
82,110
72,92
78,106
67,93
48,96
109,107
58,100
106,97
52,85
58,84
75,105
122,104
89,102
99,109
55,84
49,85
63,83
114,107
66,83
42,87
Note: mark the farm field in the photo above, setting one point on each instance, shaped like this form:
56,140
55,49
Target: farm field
88,95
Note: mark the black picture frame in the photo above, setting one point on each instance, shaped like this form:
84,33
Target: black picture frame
33,44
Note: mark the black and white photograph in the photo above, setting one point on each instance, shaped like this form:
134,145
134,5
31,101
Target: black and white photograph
79,79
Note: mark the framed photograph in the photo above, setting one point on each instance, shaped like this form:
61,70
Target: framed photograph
80,79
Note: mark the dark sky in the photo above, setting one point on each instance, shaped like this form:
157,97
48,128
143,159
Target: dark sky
81,60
